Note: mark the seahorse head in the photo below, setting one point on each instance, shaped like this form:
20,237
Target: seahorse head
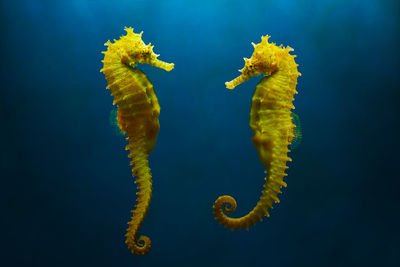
132,51
267,58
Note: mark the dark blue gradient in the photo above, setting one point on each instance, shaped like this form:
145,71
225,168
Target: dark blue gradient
65,176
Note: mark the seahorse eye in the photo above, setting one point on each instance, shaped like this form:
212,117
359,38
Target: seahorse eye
140,54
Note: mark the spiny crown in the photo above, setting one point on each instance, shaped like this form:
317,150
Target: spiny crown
267,57
131,45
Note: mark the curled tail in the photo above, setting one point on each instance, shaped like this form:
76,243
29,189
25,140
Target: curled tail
274,181
141,245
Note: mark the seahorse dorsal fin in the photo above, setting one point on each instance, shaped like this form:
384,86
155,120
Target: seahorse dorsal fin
298,135
114,121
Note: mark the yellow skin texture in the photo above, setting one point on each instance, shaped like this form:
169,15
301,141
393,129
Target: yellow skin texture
138,111
271,123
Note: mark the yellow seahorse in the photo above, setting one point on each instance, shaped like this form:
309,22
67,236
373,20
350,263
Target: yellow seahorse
271,122
138,111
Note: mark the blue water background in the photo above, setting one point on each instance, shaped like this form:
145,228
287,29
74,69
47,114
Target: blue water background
65,176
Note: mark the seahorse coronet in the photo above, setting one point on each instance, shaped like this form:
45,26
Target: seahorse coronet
272,125
137,116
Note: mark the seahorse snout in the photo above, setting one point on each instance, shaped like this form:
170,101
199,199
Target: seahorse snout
161,64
